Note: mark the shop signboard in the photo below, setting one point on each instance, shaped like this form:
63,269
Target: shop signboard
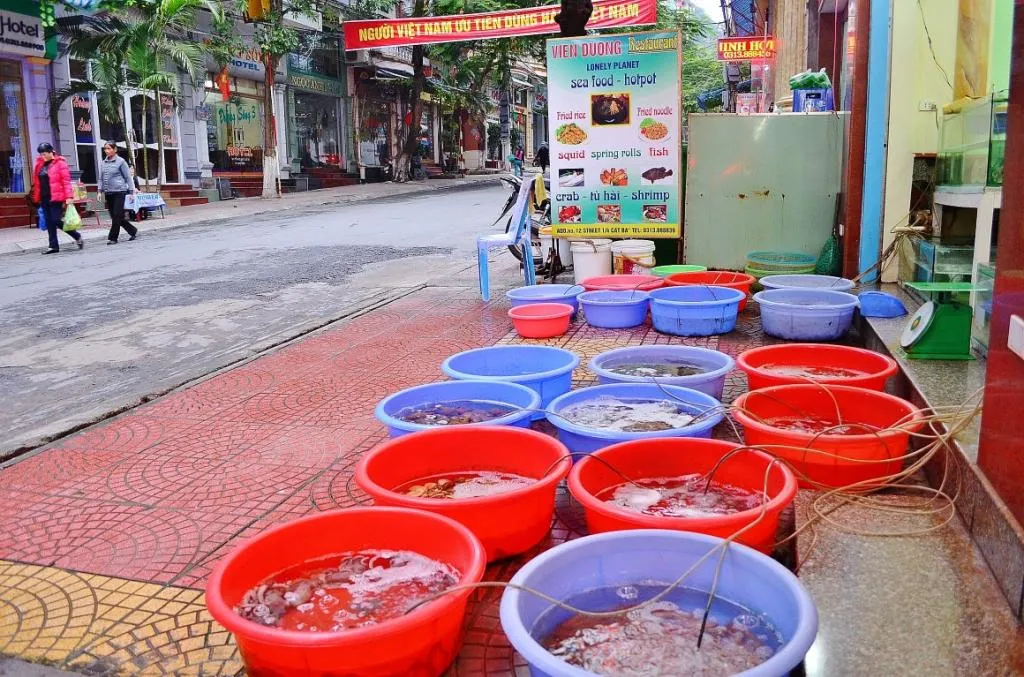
760,48
22,33
312,83
81,109
613,112
377,33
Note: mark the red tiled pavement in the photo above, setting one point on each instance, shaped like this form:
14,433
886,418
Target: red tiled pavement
161,493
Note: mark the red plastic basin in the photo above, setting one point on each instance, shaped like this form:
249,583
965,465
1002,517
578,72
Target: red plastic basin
424,642
508,523
874,368
623,283
874,455
716,278
642,459
541,320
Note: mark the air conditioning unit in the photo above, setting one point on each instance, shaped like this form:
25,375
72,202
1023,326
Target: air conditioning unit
357,56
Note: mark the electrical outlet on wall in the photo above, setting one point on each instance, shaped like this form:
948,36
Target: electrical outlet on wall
926,105
1015,341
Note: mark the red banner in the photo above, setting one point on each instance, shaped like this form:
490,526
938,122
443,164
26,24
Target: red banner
377,33
746,49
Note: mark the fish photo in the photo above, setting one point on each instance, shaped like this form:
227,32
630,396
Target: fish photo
656,175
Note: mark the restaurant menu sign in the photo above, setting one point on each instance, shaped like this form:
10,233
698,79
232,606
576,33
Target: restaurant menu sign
613,112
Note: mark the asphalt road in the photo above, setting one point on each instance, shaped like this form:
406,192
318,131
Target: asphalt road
90,333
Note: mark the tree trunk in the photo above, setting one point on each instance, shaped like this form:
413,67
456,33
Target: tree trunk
159,142
129,146
145,146
403,165
271,166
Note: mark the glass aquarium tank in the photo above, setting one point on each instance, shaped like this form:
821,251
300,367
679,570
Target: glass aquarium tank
984,283
965,142
997,141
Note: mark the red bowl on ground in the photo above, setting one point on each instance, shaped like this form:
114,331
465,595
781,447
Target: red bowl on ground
836,460
716,278
874,369
508,523
541,320
653,458
623,283
423,642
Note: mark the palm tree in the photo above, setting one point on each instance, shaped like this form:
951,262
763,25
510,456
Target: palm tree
107,83
147,36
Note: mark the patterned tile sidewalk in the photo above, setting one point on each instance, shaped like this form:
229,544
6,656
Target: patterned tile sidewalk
108,537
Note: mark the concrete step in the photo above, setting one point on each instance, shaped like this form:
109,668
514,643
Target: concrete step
178,194
185,201
15,221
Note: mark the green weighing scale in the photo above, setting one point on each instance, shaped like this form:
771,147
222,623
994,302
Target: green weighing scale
941,328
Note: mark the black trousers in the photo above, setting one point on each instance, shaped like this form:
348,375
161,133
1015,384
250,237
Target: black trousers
54,212
115,207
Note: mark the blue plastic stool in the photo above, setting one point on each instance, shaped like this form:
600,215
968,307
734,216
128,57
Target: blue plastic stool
520,238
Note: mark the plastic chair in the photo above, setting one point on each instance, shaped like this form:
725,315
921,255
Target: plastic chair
519,237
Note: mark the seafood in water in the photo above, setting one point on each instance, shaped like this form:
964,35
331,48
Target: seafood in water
346,591
683,496
464,485
454,413
627,415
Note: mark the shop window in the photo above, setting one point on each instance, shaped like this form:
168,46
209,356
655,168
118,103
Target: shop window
316,130
14,155
78,69
87,163
138,102
235,133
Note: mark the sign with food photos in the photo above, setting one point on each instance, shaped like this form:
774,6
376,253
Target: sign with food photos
614,115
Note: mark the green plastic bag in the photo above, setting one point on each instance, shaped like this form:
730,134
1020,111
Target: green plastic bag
72,221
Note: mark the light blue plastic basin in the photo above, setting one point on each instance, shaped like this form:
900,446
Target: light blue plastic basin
806,314
547,371
499,392
586,440
712,382
645,556
695,310
608,309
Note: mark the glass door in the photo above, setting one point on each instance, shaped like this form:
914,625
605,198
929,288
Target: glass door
14,155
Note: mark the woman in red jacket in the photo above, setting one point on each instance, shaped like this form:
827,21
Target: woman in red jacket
51,190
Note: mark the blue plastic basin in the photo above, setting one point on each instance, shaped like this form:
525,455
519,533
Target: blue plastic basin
827,282
586,440
695,310
645,556
880,304
547,371
806,314
716,366
511,394
614,309
546,293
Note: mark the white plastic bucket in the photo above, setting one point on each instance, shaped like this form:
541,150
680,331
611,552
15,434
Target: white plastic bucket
547,242
591,258
632,257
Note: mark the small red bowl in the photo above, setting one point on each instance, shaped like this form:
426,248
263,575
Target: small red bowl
653,458
541,320
873,369
508,523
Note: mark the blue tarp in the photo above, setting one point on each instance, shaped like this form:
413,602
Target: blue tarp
704,98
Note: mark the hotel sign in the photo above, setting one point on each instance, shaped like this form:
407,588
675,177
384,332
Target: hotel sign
746,49
21,34
311,83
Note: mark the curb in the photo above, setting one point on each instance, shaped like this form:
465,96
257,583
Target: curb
277,205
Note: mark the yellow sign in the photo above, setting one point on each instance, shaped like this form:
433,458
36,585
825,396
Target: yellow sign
612,230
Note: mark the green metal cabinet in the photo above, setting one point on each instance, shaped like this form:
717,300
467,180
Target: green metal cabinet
760,182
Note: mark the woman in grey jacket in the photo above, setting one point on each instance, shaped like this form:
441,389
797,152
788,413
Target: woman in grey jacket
115,183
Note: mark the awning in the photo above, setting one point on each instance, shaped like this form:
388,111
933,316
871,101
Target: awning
522,83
